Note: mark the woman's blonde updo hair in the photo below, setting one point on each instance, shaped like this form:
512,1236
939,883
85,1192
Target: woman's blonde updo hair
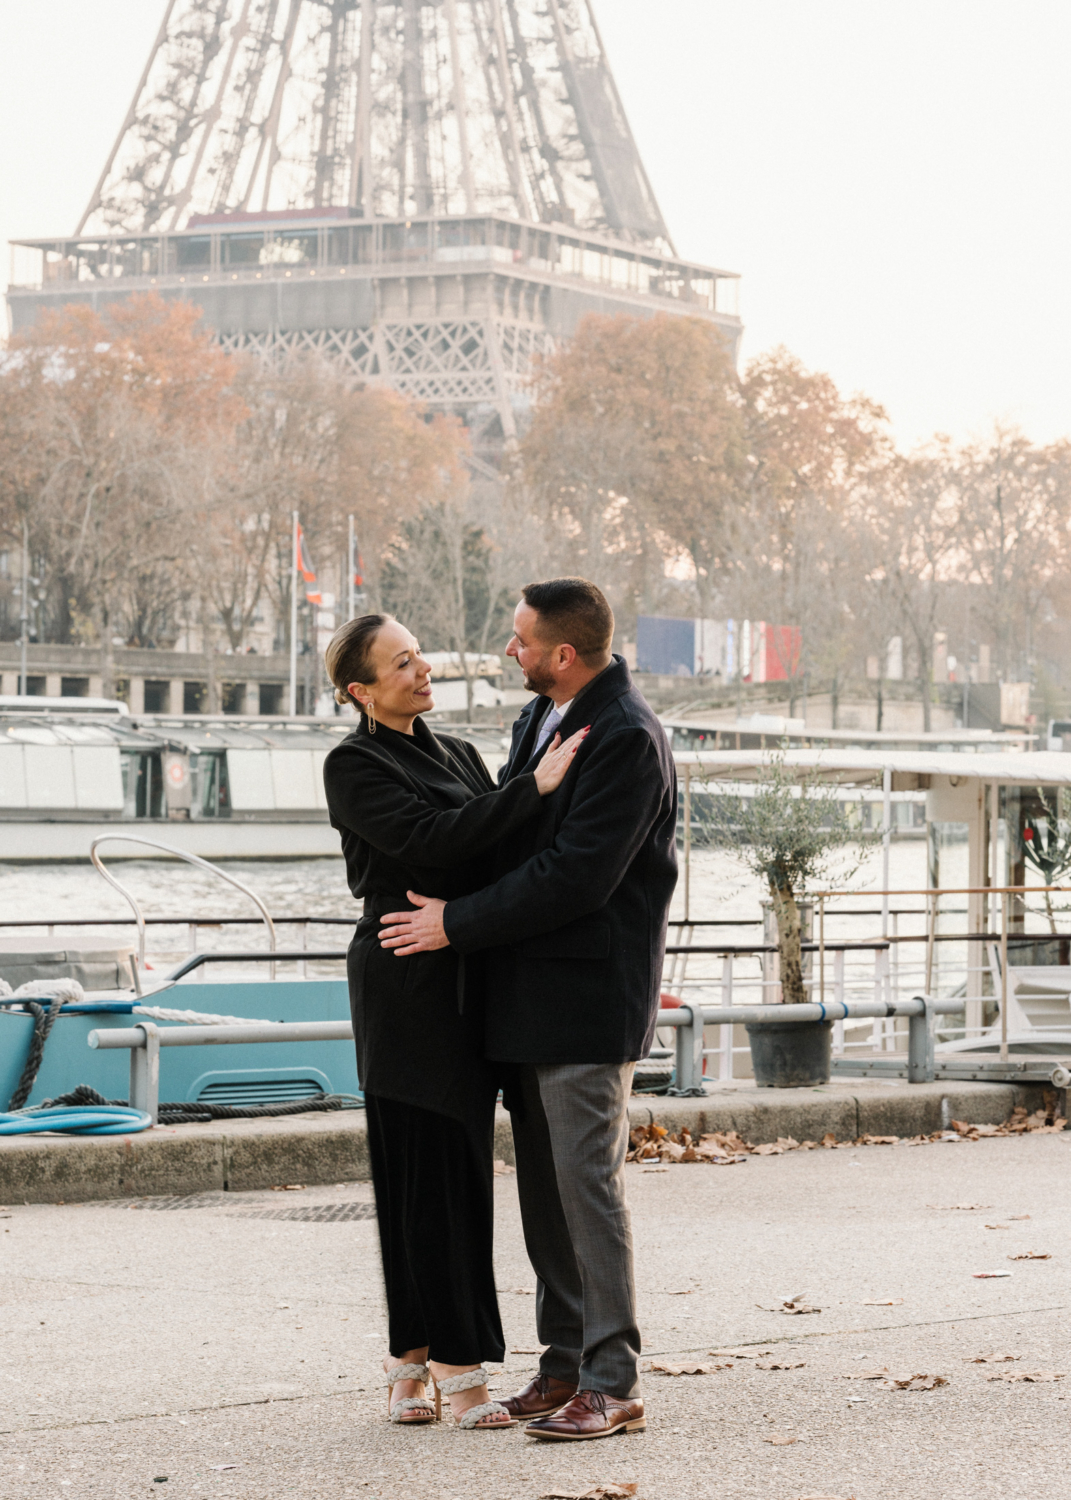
348,657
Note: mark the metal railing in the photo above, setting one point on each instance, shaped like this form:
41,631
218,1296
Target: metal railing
691,1021
145,1039
193,859
193,927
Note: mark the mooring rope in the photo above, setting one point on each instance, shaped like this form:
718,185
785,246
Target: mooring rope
186,1113
59,992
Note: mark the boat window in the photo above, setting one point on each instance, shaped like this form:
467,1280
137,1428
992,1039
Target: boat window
143,784
211,788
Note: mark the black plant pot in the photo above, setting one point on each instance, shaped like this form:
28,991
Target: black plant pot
794,1055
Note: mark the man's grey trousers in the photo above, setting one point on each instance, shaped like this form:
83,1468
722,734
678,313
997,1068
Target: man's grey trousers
571,1139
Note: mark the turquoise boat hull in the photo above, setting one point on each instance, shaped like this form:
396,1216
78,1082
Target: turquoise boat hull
234,1073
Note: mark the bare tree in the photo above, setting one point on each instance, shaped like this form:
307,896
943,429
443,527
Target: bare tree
919,542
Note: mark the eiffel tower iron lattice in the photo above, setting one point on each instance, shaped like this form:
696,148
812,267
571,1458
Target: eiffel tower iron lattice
390,107
428,191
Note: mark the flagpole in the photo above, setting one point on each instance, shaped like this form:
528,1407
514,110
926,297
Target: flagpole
293,616
353,572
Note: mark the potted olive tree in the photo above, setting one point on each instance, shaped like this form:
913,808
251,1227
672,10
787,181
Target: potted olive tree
791,832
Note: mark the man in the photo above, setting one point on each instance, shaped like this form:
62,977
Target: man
573,931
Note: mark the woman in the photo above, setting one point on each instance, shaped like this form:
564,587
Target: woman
416,811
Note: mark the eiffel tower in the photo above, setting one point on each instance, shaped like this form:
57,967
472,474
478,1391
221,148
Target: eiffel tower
428,191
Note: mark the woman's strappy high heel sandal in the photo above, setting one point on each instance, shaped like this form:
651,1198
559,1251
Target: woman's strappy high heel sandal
399,1410
470,1420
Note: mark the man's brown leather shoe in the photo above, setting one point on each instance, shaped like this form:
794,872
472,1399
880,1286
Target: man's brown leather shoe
590,1414
540,1397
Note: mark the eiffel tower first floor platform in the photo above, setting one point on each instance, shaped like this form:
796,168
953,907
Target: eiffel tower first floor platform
449,311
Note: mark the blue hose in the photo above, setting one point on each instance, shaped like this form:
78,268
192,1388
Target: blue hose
76,1120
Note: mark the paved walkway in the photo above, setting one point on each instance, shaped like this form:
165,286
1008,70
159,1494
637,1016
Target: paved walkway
232,1344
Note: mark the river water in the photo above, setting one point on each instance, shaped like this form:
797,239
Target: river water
720,887
291,889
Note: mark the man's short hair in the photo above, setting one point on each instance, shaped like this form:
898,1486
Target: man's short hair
572,612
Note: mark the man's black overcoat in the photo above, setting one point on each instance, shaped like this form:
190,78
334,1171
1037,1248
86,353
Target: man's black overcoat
417,813
575,922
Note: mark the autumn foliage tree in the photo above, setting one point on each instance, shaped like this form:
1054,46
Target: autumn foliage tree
114,416
683,488
637,439
158,475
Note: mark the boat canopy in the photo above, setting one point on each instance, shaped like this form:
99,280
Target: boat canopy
44,729
910,770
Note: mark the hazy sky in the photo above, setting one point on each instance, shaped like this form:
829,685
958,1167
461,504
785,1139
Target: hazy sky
891,177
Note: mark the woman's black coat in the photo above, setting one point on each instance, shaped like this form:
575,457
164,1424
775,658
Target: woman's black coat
418,812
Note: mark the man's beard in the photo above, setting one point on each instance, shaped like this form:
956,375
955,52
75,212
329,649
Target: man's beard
539,680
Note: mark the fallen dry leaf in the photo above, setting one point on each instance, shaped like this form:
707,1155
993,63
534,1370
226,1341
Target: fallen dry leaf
739,1353
660,1368
598,1492
796,1306
1035,1377
868,1374
992,1359
687,1291
654,1143
915,1382
527,1351
523,1291
780,1439
289,1187
882,1302
989,1275
1019,1122
1030,1255
775,1364
777,1148
1018,1218
996,1226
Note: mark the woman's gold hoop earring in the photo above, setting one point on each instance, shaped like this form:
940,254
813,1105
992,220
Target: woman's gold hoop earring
370,715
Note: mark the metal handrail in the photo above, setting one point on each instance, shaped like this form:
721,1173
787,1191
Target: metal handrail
346,921
839,945
276,955
193,859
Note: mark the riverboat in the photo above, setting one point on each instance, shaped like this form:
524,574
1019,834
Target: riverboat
222,787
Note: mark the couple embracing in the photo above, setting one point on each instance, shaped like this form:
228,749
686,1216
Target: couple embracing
512,939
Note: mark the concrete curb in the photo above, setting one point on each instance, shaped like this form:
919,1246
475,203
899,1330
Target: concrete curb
241,1154
848,1109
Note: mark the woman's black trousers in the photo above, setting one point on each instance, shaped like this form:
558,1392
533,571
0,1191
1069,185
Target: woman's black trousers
433,1179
